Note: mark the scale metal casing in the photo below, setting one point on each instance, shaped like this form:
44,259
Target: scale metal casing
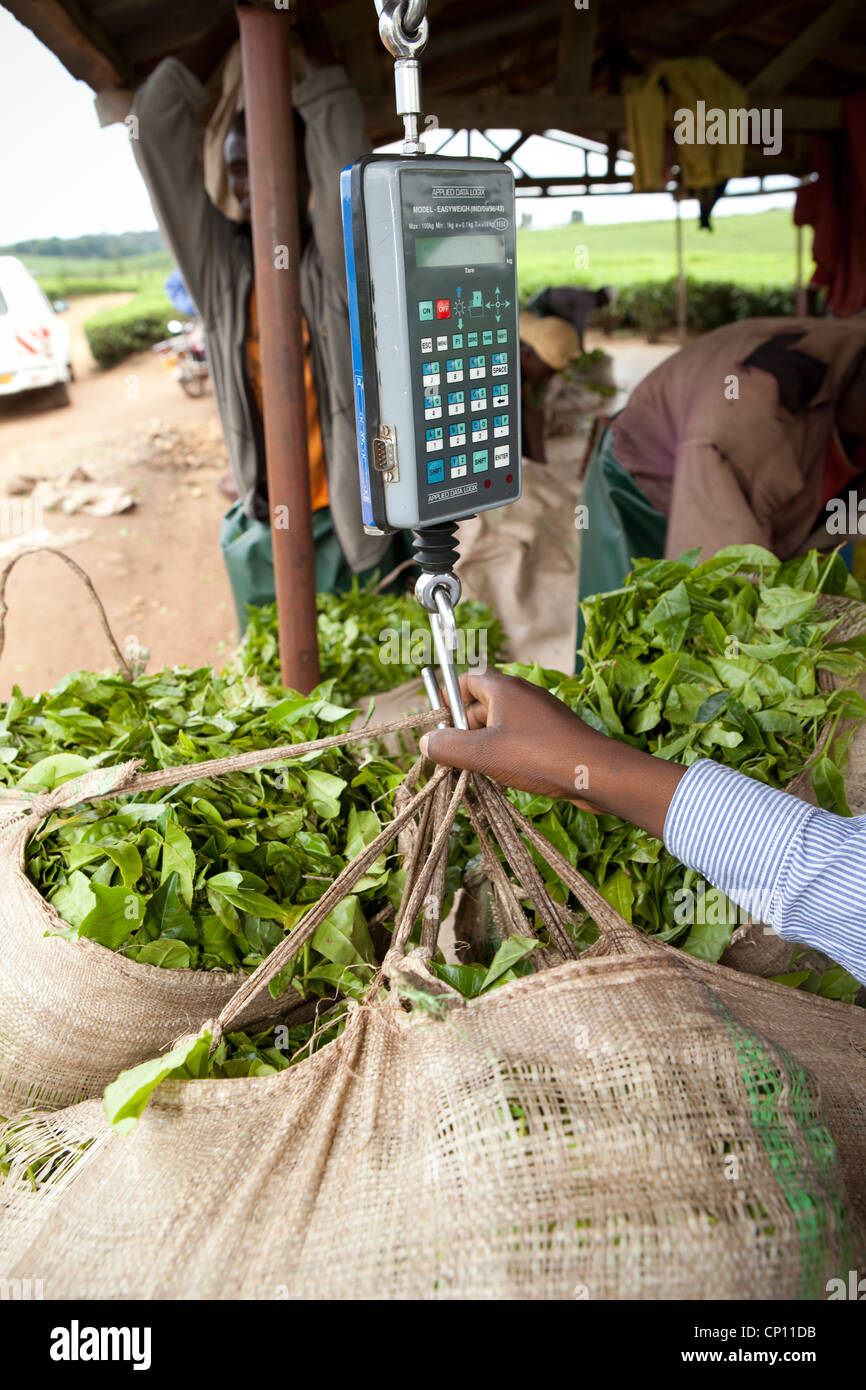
430,265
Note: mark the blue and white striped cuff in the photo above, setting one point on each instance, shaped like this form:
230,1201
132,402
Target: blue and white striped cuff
737,833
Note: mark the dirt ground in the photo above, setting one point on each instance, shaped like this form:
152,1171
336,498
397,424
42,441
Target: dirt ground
157,567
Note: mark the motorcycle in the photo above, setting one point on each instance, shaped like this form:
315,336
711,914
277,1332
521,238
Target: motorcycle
185,354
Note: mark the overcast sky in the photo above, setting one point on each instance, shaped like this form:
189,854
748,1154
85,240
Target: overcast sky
63,176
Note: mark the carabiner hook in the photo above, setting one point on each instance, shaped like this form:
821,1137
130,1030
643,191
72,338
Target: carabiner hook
437,594
444,629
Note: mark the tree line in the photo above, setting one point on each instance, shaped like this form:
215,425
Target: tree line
93,245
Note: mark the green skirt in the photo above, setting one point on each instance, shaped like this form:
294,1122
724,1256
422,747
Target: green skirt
622,525
248,553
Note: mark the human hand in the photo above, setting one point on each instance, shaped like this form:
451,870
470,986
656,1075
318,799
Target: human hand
518,734
524,737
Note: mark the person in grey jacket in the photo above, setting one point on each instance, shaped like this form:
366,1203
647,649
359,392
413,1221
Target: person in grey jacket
214,254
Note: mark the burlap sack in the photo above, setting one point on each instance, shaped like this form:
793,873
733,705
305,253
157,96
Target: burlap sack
634,1124
522,560
73,1013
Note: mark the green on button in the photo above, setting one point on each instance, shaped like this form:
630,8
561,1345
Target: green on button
425,308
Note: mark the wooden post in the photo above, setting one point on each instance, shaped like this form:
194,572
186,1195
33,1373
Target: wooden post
270,124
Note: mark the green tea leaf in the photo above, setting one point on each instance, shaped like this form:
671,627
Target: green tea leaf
619,892
127,859
343,937
829,785
168,954
165,913
709,940
74,899
126,1098
231,886
793,978
513,949
468,980
116,914
783,605
324,791
53,771
838,983
178,857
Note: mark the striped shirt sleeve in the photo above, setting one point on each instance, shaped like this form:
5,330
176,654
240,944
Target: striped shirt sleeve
799,869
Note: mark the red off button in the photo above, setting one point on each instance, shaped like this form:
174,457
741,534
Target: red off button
443,308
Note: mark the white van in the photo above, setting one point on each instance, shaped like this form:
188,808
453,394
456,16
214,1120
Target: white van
34,342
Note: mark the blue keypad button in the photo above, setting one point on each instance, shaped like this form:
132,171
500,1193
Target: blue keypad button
457,397
454,364
499,357
429,368
425,309
480,461
436,471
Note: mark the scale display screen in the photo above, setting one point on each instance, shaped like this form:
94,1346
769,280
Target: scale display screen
479,248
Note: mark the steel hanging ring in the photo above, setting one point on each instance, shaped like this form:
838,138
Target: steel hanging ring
393,19
427,584
416,10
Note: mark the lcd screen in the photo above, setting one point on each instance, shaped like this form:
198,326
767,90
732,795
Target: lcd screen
477,248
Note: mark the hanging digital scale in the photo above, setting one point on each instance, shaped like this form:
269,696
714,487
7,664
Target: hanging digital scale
430,257
430,270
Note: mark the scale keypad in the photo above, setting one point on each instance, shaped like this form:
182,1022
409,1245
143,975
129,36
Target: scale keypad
460,366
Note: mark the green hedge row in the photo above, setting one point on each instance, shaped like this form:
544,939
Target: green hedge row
650,306
114,334
66,286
